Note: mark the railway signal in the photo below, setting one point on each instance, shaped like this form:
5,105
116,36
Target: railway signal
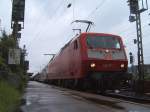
131,58
17,20
132,62
17,24
136,8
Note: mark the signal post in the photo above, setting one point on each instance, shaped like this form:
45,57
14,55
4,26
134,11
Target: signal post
17,55
136,8
17,20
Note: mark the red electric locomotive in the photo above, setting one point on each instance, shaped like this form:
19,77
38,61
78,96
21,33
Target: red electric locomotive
90,60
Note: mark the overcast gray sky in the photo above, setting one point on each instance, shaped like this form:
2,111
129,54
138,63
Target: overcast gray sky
48,25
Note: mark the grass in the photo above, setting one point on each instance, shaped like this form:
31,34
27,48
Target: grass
9,97
147,77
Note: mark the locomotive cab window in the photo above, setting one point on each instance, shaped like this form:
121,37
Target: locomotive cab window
103,42
75,44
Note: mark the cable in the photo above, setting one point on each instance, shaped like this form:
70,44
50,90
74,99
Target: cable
93,11
129,35
39,32
145,35
73,10
48,22
127,29
103,1
97,7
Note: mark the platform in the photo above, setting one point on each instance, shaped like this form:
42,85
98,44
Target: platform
46,98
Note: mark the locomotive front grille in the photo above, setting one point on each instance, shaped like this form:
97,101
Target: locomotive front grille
111,55
95,54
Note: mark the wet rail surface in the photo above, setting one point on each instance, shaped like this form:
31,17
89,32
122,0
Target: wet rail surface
46,98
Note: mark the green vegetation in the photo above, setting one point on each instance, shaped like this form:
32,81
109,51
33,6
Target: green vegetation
9,97
147,77
13,78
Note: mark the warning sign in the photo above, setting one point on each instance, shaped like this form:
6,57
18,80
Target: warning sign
14,56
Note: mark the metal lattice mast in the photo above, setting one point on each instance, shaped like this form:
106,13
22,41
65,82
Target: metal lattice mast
140,47
135,12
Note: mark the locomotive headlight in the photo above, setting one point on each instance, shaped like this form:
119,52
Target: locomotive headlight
107,50
122,65
93,65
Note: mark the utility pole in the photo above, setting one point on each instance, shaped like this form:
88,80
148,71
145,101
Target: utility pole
135,11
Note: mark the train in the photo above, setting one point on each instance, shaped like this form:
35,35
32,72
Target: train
90,60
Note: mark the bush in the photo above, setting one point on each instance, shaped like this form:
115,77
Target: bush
9,97
13,78
147,77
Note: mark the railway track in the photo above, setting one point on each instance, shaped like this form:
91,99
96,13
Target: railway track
130,96
122,95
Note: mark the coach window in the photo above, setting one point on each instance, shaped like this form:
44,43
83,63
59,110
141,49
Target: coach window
75,44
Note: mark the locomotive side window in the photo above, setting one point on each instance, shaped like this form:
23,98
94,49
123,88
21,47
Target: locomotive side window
75,44
103,42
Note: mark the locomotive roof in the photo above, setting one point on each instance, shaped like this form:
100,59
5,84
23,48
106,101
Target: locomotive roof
95,33
78,35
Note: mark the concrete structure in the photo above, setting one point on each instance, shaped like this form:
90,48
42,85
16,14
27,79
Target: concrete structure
46,98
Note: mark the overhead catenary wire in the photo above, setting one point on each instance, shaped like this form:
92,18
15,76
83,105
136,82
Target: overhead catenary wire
128,28
73,15
37,23
131,42
93,11
43,31
97,7
89,14
133,34
73,1
73,10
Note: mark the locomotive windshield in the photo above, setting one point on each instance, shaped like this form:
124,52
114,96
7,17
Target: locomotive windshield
103,42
